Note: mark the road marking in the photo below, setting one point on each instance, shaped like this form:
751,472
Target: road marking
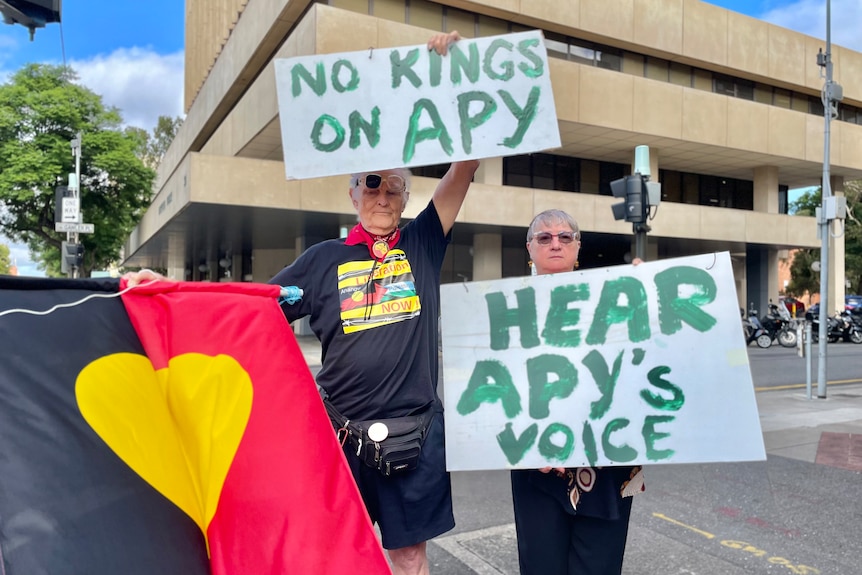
803,385
689,527
453,545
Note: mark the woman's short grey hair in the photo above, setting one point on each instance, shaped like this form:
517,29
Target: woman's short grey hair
550,218
403,172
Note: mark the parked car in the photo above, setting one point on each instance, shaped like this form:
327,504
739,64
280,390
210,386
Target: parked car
851,302
790,303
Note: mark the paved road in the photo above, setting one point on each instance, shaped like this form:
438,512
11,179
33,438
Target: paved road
780,366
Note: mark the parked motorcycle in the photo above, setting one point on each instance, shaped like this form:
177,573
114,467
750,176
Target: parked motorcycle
852,327
839,327
779,325
753,330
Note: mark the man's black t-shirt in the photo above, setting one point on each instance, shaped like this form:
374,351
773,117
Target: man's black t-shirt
376,321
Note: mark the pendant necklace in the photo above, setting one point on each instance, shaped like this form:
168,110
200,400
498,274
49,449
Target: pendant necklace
381,245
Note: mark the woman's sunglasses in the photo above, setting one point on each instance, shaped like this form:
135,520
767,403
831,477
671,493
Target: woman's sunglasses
544,238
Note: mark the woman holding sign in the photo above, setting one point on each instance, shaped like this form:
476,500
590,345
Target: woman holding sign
569,521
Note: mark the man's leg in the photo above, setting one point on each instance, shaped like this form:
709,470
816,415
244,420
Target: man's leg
411,560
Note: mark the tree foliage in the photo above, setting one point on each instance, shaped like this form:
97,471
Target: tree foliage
802,278
5,259
151,148
41,110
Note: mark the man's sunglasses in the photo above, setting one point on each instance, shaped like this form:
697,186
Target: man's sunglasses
373,181
544,238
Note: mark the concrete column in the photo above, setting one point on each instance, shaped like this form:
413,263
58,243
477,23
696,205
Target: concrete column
836,288
490,172
766,189
487,257
177,258
772,276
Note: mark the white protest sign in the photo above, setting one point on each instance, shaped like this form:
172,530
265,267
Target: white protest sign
390,107
627,365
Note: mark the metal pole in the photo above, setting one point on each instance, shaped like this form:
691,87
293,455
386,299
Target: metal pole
640,231
76,152
807,344
826,192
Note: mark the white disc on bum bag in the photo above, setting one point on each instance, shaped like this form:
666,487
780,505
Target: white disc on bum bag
378,431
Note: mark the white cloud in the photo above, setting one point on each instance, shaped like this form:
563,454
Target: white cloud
140,82
809,17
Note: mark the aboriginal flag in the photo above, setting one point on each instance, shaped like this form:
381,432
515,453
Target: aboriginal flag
174,430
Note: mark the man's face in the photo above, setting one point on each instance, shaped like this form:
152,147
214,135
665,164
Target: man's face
379,200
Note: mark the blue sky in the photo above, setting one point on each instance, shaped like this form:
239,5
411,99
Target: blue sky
131,52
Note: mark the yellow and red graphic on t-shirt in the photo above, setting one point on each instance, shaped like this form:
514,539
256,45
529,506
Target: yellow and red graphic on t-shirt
373,294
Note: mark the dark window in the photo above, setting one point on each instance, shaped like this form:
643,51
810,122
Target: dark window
517,172
543,171
743,196
744,89
567,174
690,189
435,171
782,199
608,172
709,192
671,190
722,84
609,59
815,106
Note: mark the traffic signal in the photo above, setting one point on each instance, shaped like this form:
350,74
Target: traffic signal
73,256
635,206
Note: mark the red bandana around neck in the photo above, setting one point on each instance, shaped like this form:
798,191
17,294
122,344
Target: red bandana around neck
378,246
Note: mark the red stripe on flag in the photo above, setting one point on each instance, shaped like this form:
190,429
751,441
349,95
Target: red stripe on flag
289,503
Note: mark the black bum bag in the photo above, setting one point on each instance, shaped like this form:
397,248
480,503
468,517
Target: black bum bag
390,446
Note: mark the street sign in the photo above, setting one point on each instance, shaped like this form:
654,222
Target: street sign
74,228
71,210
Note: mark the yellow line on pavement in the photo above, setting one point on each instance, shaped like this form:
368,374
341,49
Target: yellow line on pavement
802,385
689,527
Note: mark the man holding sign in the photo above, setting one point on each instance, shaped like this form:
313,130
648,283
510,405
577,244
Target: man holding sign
373,301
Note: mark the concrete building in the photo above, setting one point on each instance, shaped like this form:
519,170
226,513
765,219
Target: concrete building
729,105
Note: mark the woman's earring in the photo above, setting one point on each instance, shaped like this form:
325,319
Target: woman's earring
576,264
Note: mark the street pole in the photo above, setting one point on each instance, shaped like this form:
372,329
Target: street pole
640,231
825,61
72,237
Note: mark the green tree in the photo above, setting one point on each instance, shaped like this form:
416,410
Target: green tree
853,236
151,148
802,278
41,110
5,259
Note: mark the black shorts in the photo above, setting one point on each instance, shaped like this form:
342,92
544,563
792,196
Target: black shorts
414,506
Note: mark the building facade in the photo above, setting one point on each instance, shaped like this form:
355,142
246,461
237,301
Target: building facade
729,106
